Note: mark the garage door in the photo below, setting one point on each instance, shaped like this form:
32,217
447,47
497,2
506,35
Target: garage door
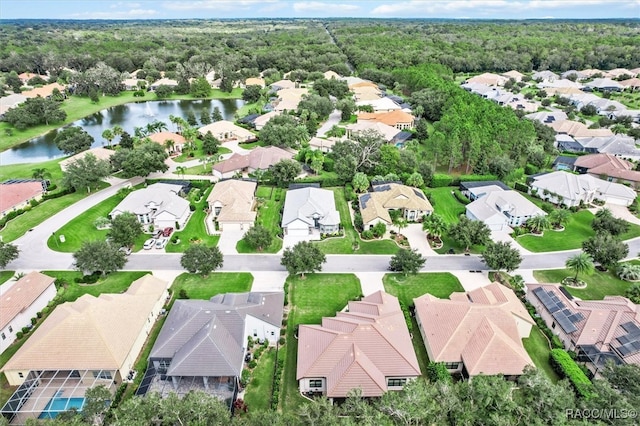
231,227
618,201
297,232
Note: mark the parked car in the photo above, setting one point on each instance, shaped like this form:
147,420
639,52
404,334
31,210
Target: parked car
125,250
161,243
167,232
148,245
158,234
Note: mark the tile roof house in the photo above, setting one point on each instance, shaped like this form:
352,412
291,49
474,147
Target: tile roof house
21,301
255,81
514,74
44,91
10,101
388,133
566,188
308,209
99,152
89,342
609,167
159,205
632,83
226,131
479,332
322,144
331,75
232,204
368,347
133,83
578,130
202,343
604,85
163,137
16,194
259,158
599,331
546,117
399,119
263,119
489,79
380,105
282,84
375,205
163,82
545,76
618,145
500,209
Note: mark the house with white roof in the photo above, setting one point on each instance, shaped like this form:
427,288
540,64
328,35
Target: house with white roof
380,105
545,75
159,205
566,188
604,85
226,131
384,130
500,209
309,210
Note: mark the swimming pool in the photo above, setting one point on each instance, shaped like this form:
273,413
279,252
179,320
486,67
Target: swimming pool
57,405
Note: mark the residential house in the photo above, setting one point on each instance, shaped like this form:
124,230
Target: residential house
578,75
82,344
282,84
255,81
45,91
232,204
376,205
365,91
367,346
609,167
544,76
322,144
599,331
202,344
310,210
99,152
618,145
329,75
604,85
398,119
572,190
619,72
634,114
10,101
514,74
477,189
163,82
386,132
489,79
546,117
563,162
22,300
592,72
226,131
559,84
259,158
133,83
578,130
26,76
380,105
263,119
632,83
159,205
478,332
18,193
172,142
500,209
288,99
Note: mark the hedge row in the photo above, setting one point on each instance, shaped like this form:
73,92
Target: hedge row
566,367
440,180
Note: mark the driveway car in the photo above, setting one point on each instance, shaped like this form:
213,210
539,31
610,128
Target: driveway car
148,245
167,232
161,243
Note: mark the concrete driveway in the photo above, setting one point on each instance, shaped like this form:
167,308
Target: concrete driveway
291,240
622,212
269,280
506,237
334,118
228,240
418,239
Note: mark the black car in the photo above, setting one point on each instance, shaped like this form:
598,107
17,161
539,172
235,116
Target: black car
247,357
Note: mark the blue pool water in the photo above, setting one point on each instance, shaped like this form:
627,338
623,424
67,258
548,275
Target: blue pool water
57,405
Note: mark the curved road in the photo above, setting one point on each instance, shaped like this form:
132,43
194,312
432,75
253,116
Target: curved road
34,253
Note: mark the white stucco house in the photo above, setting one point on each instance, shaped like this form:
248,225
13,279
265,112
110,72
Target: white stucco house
310,209
500,209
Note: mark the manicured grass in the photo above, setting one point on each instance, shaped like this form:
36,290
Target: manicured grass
537,346
200,170
115,282
445,204
344,245
258,392
199,153
310,299
195,231
245,110
82,228
199,287
25,170
270,202
250,145
577,230
599,284
439,284
6,276
18,226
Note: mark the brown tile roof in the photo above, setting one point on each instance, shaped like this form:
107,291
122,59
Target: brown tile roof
237,199
392,118
14,194
632,82
358,348
91,333
22,294
162,137
479,328
260,158
377,204
579,130
609,165
100,153
44,91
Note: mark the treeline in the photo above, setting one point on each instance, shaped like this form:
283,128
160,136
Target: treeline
476,46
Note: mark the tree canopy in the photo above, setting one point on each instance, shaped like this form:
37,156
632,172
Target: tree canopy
304,257
99,256
142,160
8,253
72,140
125,229
201,259
35,111
407,261
85,172
501,255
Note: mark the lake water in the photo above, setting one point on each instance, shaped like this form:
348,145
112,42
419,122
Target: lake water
127,116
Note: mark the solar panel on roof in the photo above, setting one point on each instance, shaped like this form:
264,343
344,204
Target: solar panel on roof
623,339
624,350
363,200
564,322
418,193
576,317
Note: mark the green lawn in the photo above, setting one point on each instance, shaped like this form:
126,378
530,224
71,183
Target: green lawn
310,299
25,170
6,276
196,230
198,287
82,228
270,202
576,231
115,282
599,284
445,204
258,393
344,245
537,346
198,153
245,110
200,170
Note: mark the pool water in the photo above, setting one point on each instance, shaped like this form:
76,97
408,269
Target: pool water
57,405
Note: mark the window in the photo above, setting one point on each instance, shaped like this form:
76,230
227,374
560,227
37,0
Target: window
451,365
396,382
3,336
20,374
102,374
10,329
316,383
553,325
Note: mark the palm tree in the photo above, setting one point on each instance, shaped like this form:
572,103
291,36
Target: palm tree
538,224
41,174
169,145
108,136
559,217
181,170
434,225
581,263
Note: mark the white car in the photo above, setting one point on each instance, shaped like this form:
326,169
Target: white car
148,245
161,243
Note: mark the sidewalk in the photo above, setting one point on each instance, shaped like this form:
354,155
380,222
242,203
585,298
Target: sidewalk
370,282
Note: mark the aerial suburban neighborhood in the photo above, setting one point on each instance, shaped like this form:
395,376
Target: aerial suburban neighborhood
317,220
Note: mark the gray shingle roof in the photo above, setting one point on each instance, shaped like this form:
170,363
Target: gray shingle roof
303,203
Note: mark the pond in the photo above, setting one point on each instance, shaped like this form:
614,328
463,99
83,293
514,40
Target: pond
128,116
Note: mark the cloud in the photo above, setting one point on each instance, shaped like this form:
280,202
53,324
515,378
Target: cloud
121,4
127,14
316,6
225,5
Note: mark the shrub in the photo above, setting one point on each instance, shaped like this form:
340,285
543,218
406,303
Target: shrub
566,367
460,197
192,207
521,187
530,169
33,202
437,372
34,320
629,272
473,178
245,377
367,235
19,335
633,293
282,340
25,330
252,364
439,180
